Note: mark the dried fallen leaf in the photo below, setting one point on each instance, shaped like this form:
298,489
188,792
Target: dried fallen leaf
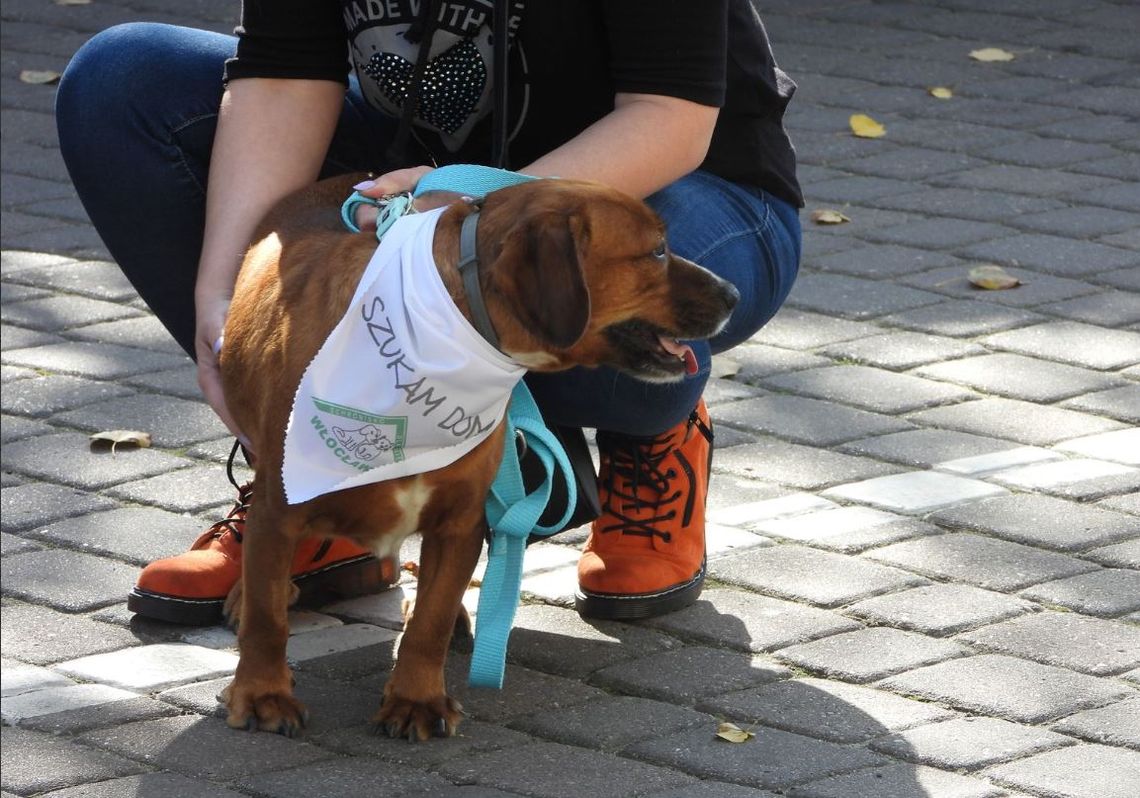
412,568
733,733
475,582
113,438
990,54
38,76
829,216
941,92
724,367
865,127
992,278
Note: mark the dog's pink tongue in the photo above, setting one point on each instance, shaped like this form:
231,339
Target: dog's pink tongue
682,351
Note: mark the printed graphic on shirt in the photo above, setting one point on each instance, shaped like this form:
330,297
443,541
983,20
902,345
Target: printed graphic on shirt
455,92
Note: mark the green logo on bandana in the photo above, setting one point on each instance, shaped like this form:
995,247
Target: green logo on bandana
365,440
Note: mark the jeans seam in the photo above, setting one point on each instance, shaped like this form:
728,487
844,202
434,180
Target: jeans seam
174,131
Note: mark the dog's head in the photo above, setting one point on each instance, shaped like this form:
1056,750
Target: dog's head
575,273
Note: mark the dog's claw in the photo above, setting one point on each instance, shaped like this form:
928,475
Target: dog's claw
440,729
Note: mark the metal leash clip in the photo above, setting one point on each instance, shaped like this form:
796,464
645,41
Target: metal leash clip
390,208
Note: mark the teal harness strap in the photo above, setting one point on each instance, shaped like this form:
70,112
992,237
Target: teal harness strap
512,513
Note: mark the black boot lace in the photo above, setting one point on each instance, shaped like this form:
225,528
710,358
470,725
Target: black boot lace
234,522
637,490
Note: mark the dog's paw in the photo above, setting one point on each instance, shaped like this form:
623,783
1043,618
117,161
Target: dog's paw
276,712
417,720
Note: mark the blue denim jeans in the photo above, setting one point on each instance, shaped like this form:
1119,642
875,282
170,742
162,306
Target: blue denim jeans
137,109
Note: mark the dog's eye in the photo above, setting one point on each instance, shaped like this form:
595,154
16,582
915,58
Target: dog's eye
660,252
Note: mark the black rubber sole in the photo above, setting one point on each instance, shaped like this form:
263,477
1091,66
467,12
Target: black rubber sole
345,579
639,606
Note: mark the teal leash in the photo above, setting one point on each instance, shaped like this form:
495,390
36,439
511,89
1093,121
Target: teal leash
512,513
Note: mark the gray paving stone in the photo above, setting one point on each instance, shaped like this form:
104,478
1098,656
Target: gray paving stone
137,535
901,350
773,759
799,466
846,529
44,396
203,747
714,789
1040,521
1080,479
877,261
1006,687
44,636
67,458
556,640
1080,223
612,723
1115,724
1048,153
1120,403
1089,645
759,360
914,492
797,329
10,544
750,622
869,388
802,420
12,337
91,278
1079,771
869,654
855,298
989,464
142,332
968,743
824,709
50,700
17,678
1020,377
550,770
148,784
66,580
927,447
1012,419
939,610
1122,555
964,203
189,490
34,762
39,504
1072,342
101,716
356,776
910,163
181,382
12,261
688,674
961,318
900,781
985,562
96,360
172,423
1033,290
54,313
1022,180
802,574
1119,446
525,691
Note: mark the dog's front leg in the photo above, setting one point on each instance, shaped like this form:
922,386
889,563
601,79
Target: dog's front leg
416,703
261,694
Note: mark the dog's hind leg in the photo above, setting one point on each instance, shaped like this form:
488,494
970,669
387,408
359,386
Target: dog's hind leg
416,704
261,694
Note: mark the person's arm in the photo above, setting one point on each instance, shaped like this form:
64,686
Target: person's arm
272,138
644,144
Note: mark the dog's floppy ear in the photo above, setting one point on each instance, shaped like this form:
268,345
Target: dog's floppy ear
550,285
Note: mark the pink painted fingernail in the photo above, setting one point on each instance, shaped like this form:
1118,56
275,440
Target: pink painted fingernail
364,185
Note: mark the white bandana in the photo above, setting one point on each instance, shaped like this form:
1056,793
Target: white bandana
404,384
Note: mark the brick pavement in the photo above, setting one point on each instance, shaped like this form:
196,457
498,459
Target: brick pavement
926,549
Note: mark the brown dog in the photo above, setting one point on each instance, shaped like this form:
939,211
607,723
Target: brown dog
572,274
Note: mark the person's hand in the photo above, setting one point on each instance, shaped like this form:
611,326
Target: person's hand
399,182
211,321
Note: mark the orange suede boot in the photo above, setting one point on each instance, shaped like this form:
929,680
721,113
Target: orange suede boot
646,553
191,588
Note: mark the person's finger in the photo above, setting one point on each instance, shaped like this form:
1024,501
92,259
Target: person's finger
210,382
394,182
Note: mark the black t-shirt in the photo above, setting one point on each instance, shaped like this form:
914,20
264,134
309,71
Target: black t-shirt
567,59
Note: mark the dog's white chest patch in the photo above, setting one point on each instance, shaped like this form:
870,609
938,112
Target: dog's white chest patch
403,384
411,499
